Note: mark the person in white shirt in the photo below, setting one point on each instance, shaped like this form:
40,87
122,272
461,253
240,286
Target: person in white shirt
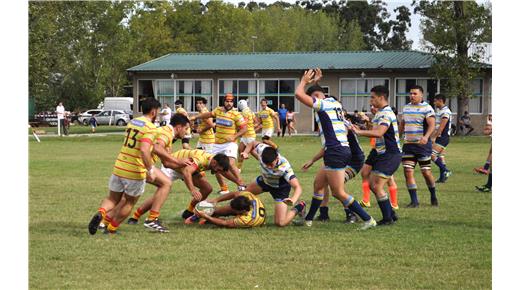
60,112
166,114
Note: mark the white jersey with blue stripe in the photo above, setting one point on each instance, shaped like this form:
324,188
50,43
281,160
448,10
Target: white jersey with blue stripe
389,142
281,174
443,113
329,116
414,117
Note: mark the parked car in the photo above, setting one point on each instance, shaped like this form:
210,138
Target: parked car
84,117
117,117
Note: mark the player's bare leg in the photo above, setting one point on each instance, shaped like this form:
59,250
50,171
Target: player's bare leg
122,213
241,148
107,205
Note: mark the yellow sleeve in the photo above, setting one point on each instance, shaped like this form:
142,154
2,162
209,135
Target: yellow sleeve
239,120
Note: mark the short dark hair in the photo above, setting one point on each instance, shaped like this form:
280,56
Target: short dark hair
440,97
203,100
417,87
263,100
380,91
240,203
179,119
269,155
314,88
394,109
179,102
150,104
222,160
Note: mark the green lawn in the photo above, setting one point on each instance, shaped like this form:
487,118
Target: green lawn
80,129
443,248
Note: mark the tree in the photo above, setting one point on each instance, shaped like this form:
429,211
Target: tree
450,28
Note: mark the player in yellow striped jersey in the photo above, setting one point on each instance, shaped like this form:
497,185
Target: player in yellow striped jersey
205,129
248,209
230,125
250,135
180,110
267,117
133,167
192,175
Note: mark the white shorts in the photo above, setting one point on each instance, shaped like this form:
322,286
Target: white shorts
187,136
128,186
229,149
267,132
208,147
247,140
171,174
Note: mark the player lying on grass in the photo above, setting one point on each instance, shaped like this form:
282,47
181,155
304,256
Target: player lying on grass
353,167
193,176
277,178
247,208
388,150
337,153
161,151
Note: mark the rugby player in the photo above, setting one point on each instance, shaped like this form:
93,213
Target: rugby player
267,117
387,154
205,129
248,209
278,179
193,177
418,125
336,155
230,126
250,135
441,135
180,110
353,167
132,169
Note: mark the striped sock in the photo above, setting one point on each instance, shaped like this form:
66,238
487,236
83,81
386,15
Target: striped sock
433,195
489,181
102,211
412,190
106,220
239,164
112,226
315,205
486,166
366,191
354,206
224,187
153,215
138,213
191,207
386,208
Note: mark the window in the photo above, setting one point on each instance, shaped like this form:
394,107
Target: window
243,89
188,91
402,90
277,92
475,100
355,93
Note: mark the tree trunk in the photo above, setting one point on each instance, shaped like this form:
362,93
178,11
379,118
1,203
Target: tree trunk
462,60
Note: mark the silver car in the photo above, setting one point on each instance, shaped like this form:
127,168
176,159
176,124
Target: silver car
112,117
84,117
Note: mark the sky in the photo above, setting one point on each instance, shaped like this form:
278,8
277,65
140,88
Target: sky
414,32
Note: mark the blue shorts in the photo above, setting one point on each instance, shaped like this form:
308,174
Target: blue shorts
337,158
278,193
442,141
417,152
386,164
371,159
356,162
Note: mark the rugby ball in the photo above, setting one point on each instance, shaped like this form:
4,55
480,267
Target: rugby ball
205,207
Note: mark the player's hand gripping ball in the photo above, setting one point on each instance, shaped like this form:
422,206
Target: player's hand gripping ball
205,207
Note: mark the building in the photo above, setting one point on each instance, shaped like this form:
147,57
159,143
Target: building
349,76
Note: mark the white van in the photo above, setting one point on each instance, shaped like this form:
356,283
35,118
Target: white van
119,103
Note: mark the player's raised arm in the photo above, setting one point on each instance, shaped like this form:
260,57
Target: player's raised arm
205,115
307,78
376,132
316,157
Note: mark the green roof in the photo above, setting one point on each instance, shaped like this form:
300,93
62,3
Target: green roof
339,60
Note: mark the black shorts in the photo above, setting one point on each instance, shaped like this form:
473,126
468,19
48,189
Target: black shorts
337,158
278,193
417,152
185,140
371,159
442,141
386,164
356,162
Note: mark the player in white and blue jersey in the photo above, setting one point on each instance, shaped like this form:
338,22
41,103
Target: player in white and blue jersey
441,135
336,150
278,179
387,156
418,125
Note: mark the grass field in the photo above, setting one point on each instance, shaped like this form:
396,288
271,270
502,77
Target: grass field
80,129
429,248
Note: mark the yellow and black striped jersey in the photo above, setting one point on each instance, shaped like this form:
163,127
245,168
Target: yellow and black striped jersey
267,116
228,123
249,118
165,134
208,136
255,216
129,163
200,157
